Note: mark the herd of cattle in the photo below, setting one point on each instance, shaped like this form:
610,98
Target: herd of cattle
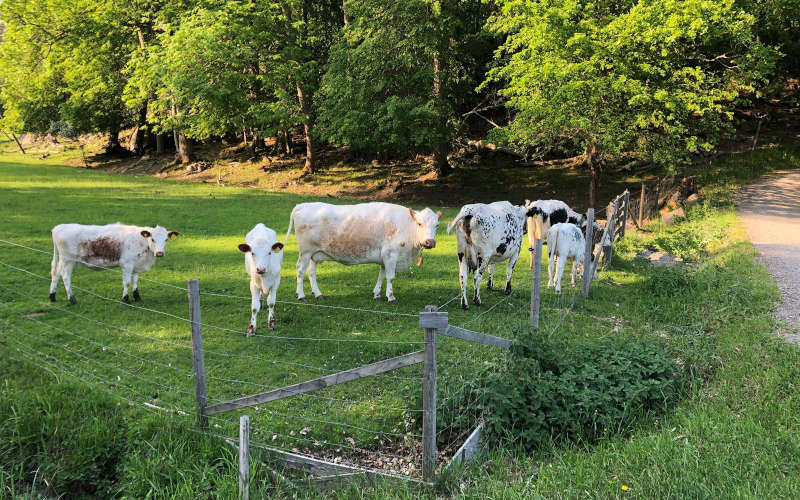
389,235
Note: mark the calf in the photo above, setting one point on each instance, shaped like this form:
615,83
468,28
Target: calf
262,260
544,213
487,234
564,241
131,248
389,235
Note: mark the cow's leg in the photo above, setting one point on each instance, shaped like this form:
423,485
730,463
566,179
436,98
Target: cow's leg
462,278
389,266
562,261
66,277
54,276
135,286
302,264
482,265
510,270
126,281
376,292
490,281
550,261
273,292
312,278
255,306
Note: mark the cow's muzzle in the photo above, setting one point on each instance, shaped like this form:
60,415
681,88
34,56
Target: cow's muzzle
159,254
260,270
429,243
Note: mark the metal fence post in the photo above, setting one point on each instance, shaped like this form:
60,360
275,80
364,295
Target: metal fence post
429,452
244,457
587,256
198,362
536,280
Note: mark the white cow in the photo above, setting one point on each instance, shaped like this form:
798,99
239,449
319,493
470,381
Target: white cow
544,213
487,234
131,248
262,260
389,235
564,241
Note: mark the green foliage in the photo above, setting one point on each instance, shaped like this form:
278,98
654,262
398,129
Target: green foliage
552,392
657,76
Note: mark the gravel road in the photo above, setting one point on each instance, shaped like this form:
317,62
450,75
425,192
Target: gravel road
770,209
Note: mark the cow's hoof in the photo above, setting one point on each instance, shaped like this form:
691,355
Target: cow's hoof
558,291
489,285
301,298
53,297
464,304
477,302
377,297
72,299
272,324
251,332
319,297
126,299
136,295
391,300
508,288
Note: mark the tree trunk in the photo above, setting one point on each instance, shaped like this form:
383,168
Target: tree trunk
113,140
160,144
138,139
304,99
184,149
14,136
344,13
590,157
287,142
440,164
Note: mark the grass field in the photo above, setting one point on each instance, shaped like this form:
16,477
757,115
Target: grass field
67,423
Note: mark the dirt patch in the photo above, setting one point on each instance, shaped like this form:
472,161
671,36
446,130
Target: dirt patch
660,258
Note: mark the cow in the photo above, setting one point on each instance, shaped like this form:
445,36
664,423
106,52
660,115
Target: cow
486,235
544,213
564,241
379,233
262,260
133,249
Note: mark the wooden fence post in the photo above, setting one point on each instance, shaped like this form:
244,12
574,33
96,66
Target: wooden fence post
429,453
244,457
641,206
587,256
536,281
198,361
625,204
612,230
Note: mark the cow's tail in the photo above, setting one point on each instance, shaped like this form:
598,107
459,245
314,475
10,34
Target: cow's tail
291,223
54,264
552,247
462,215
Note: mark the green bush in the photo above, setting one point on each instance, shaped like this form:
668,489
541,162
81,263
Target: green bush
551,393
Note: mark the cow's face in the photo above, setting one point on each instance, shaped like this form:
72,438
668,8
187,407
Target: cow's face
157,239
260,253
427,221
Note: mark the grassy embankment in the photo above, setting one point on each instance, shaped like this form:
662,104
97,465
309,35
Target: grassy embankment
67,425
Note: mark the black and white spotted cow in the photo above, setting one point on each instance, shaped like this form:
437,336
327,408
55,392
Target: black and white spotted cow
545,213
487,234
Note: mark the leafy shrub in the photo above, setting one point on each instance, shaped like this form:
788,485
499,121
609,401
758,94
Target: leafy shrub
62,129
682,240
551,393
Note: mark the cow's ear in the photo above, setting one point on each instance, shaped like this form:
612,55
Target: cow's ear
244,248
438,213
277,247
172,234
145,233
413,215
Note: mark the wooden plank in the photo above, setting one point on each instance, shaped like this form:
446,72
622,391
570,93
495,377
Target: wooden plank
481,338
625,206
604,242
536,281
244,457
470,449
587,255
198,359
641,206
319,383
429,452
437,320
608,246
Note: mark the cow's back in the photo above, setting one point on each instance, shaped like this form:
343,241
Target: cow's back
100,246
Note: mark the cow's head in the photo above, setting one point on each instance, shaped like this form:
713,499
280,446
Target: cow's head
157,239
427,221
260,252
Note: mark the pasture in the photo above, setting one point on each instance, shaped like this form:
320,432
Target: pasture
739,409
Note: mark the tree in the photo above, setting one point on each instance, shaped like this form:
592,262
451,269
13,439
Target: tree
659,77
400,74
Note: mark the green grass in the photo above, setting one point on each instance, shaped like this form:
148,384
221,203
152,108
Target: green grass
733,433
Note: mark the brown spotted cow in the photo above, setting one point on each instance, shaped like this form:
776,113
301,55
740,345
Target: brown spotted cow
389,235
131,248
